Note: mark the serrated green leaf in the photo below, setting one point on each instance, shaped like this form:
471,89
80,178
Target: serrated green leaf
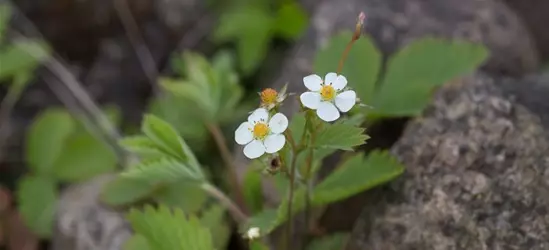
84,156
252,47
37,202
165,136
335,241
290,20
162,171
167,229
361,68
214,219
340,136
137,242
356,175
23,55
46,138
123,191
187,196
142,146
416,69
5,15
253,190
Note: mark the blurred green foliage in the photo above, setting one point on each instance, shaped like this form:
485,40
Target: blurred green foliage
58,150
252,24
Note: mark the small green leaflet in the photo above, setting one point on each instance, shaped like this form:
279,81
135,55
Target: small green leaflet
124,191
142,146
22,55
37,200
166,137
46,138
84,156
290,20
162,171
185,195
356,175
168,229
414,71
5,15
340,136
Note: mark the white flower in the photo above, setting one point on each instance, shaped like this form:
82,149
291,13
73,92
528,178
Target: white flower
325,96
253,233
261,134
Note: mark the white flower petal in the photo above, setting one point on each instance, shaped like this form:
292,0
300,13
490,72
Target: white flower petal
327,112
278,123
330,78
259,115
310,99
312,82
254,149
274,143
340,82
243,134
345,100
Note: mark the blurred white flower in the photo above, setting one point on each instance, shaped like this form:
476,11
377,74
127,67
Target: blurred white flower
253,233
327,97
262,134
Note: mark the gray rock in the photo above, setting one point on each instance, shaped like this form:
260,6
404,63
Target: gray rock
477,177
83,223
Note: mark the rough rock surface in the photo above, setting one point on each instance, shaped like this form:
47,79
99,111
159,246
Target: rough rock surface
477,177
83,223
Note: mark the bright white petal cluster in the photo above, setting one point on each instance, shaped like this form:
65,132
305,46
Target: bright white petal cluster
328,97
262,134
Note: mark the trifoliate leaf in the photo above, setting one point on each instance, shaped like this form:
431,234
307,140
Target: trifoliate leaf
84,156
162,171
37,201
340,136
290,20
414,71
46,139
214,219
335,241
124,191
187,196
137,242
356,175
167,229
361,67
253,190
23,55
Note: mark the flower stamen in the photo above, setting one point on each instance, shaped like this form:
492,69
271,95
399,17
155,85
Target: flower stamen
327,92
260,130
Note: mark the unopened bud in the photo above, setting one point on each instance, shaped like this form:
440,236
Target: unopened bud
359,24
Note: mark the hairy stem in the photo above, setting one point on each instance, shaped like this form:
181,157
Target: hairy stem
229,163
289,226
238,215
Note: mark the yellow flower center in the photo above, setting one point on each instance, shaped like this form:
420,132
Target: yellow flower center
268,96
327,92
260,130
